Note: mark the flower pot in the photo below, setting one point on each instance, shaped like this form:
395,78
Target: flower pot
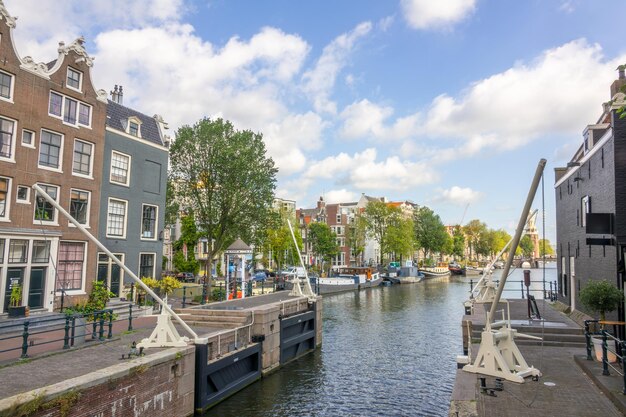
597,344
21,311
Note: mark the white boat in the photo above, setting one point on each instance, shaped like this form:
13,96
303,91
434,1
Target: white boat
433,272
345,279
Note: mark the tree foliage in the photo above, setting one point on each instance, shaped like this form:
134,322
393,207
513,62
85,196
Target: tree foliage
527,247
356,233
400,237
430,233
601,297
458,242
184,259
224,177
377,217
323,241
545,248
473,230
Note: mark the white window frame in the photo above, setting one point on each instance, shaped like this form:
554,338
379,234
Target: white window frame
93,149
84,272
156,223
124,227
11,88
135,120
80,79
53,222
130,160
27,200
154,258
7,211
60,168
64,99
33,138
13,140
87,219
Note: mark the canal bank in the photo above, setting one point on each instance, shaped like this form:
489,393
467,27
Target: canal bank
569,384
246,338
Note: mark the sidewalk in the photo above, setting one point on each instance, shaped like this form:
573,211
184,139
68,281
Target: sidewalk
569,386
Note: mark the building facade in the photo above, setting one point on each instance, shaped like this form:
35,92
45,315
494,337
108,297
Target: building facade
50,135
134,180
593,183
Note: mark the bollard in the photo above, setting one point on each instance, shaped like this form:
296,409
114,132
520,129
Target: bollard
101,332
605,358
66,336
110,335
203,301
588,340
130,317
522,287
471,284
74,329
184,296
551,291
132,292
94,330
25,340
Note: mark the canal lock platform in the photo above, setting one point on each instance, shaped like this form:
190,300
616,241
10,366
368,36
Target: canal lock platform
247,339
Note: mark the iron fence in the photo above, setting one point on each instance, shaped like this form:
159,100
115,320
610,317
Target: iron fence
617,349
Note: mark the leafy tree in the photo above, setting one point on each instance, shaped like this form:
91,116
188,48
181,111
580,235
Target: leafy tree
400,237
448,246
501,238
472,231
356,233
527,247
185,245
430,233
377,216
172,206
323,241
279,242
458,242
545,248
225,178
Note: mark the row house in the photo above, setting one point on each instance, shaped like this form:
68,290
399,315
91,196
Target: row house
592,188
56,131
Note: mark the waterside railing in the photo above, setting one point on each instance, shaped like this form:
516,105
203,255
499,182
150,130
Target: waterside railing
611,345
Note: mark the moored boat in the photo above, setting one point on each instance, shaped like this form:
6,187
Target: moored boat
434,272
345,279
456,269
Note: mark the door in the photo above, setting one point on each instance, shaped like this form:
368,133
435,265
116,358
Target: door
36,288
15,276
572,286
110,273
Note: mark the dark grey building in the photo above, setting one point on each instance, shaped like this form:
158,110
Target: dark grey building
133,194
594,182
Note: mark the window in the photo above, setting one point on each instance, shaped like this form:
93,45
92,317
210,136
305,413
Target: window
6,137
5,186
120,167
74,78
82,158
116,219
41,251
339,218
44,211
79,205
70,268
6,85
133,128
84,114
146,265
28,138
2,245
23,194
50,150
18,251
585,208
148,222
56,102
69,116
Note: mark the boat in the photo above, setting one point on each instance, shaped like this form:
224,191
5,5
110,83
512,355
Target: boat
456,269
344,279
473,271
405,275
435,272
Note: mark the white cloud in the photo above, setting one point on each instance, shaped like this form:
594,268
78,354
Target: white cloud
459,196
567,6
362,171
431,14
385,23
319,81
366,119
340,196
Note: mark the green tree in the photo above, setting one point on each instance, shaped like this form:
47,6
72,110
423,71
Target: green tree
323,241
185,245
377,216
356,233
225,178
458,242
545,248
472,231
527,247
279,242
501,238
430,233
400,237
172,207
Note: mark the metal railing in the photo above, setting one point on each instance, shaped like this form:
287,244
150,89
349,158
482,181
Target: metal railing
76,328
617,348
548,294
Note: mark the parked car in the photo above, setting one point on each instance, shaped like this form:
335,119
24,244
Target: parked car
259,276
186,276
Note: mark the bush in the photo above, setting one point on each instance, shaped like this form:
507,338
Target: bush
601,296
97,301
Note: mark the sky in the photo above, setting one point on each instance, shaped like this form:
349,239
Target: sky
449,103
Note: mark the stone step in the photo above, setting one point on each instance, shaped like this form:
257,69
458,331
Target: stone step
208,312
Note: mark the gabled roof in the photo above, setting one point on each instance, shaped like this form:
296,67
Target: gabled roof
239,245
117,118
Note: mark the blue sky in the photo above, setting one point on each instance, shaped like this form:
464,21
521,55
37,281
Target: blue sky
445,103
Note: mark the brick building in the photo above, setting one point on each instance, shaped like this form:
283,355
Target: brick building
51,134
593,182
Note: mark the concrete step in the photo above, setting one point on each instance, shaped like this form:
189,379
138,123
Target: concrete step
213,313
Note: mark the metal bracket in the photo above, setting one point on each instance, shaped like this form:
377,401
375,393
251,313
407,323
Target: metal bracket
164,334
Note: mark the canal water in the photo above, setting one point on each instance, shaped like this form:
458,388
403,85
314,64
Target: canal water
388,351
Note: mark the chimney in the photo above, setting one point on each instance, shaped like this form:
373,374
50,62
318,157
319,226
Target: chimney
117,95
617,85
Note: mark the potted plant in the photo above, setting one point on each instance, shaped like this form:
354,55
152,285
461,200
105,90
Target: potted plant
16,309
601,297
